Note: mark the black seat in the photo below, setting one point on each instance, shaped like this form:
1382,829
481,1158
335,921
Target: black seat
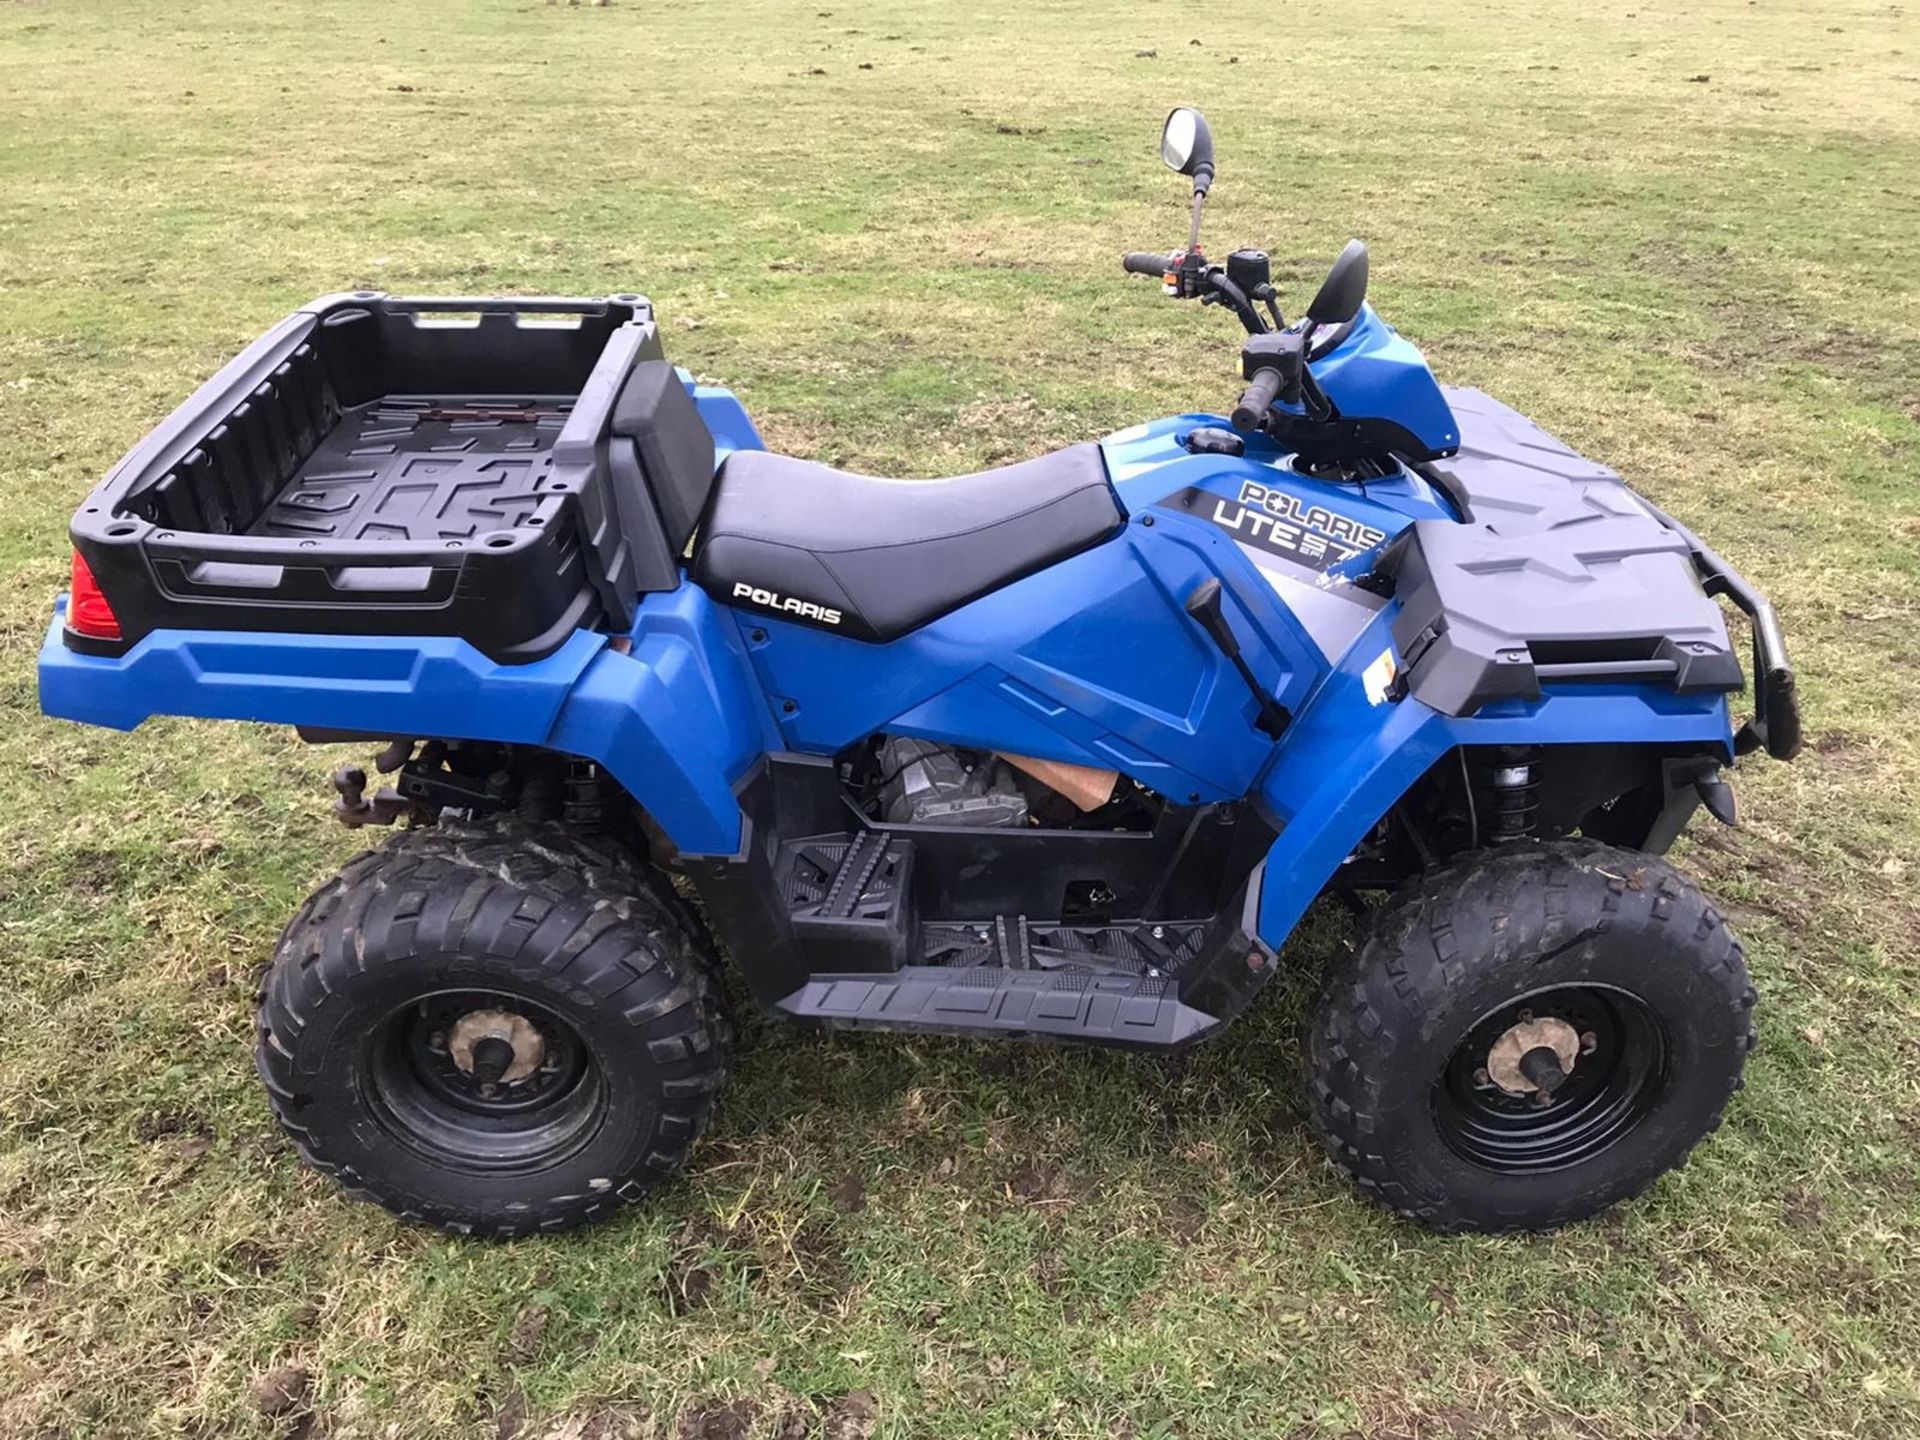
876,558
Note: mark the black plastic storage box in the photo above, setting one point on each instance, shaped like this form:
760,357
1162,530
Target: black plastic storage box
375,465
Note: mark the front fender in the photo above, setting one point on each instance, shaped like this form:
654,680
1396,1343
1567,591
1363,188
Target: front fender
1351,755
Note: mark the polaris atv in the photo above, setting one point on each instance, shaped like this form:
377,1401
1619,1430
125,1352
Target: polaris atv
1060,750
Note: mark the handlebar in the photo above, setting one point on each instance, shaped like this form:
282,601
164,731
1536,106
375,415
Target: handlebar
1145,262
1257,400
1274,358
1194,279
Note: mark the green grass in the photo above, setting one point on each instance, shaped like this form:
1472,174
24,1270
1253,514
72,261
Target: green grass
1684,236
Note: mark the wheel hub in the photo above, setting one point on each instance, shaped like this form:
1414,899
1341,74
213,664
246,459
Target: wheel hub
496,1046
1551,1079
1517,1064
484,1080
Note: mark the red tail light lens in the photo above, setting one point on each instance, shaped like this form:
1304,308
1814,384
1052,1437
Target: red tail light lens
88,612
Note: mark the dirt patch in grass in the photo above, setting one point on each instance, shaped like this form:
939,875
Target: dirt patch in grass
730,1421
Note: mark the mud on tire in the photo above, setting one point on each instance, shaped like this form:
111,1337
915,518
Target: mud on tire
587,962
1544,942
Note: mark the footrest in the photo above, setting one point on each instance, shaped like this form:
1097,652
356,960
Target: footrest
1124,1010
1139,948
850,897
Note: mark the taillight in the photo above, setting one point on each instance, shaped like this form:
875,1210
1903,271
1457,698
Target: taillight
88,612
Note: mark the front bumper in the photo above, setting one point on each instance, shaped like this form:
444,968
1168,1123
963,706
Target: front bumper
1775,724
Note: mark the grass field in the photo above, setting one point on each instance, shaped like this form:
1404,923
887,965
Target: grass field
1684,236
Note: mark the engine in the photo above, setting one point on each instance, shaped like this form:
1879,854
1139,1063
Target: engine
927,784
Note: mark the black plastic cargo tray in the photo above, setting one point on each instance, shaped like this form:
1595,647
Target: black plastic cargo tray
376,465
422,468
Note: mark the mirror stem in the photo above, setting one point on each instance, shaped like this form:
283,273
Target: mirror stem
1193,231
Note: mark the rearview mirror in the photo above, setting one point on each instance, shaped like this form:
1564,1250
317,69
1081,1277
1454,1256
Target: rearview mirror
1344,290
1186,145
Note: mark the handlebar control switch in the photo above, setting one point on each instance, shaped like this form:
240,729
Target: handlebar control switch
1249,269
1187,279
1283,350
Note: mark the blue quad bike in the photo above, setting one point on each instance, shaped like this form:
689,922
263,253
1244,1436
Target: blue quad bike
1061,750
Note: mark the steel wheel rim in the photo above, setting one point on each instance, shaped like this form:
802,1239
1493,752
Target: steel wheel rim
1605,1098
426,1102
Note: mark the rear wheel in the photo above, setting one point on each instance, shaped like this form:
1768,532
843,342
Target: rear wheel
1525,1037
493,1029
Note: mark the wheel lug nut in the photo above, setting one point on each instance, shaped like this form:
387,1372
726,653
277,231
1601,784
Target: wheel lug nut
1589,1042
437,1042
489,1090
1525,1017
1481,1077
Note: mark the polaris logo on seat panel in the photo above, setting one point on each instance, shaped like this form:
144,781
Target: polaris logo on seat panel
787,604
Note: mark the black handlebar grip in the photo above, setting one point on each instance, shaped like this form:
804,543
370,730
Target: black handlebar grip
1144,262
1257,400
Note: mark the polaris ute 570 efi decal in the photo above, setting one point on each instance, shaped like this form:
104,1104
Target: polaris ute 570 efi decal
1064,749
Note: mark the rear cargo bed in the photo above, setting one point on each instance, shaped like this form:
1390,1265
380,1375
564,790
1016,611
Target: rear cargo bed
384,466
426,467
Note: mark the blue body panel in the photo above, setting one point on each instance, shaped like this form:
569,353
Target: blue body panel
725,417
378,684
1091,661
1374,374
1347,760
1149,462
676,720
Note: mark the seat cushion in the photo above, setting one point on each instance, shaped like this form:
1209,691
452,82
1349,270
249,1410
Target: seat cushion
875,558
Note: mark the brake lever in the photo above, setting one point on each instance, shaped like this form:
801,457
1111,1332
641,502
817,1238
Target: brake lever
1229,294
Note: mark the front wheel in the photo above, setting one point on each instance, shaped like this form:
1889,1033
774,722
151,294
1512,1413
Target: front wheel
1528,1036
494,1030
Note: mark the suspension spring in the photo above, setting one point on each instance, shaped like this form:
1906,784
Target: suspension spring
589,806
1516,792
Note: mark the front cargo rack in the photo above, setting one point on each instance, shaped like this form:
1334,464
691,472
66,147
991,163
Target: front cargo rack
381,465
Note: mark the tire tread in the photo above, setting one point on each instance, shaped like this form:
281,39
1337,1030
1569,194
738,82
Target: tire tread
541,903
1408,962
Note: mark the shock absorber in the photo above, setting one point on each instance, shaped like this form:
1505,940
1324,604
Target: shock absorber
588,806
1516,792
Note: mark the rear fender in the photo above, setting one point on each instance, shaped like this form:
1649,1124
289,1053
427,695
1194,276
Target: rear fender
1354,753
672,712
